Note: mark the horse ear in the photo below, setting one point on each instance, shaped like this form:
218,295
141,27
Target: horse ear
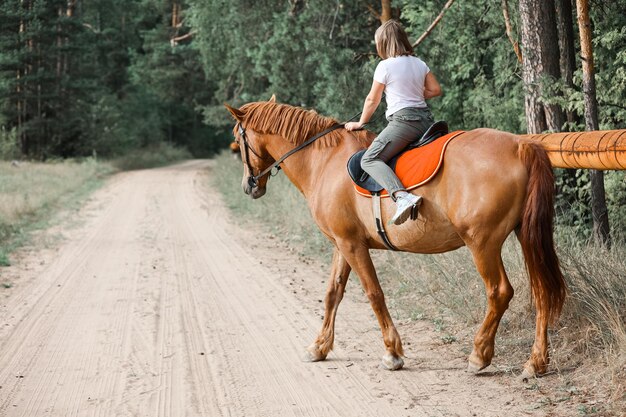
272,99
237,114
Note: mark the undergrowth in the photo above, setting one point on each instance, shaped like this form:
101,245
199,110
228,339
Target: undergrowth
154,156
590,338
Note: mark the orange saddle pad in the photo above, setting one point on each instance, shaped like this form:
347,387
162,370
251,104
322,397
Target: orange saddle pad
417,166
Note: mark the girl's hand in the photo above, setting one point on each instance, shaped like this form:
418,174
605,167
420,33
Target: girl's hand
353,126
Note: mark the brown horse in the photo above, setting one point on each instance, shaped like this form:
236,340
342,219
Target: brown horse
491,183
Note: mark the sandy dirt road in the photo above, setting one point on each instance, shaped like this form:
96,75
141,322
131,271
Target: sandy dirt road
156,303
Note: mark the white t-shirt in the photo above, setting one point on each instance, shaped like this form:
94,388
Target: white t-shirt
403,77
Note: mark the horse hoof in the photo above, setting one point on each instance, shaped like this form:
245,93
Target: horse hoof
391,362
474,366
533,369
527,375
313,354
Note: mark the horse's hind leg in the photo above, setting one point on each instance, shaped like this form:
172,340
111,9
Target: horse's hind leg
357,255
537,364
334,294
499,292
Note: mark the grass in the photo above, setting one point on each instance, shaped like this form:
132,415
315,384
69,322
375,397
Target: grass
588,346
31,193
283,210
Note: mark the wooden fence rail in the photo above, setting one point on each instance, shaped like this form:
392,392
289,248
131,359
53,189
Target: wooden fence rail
602,149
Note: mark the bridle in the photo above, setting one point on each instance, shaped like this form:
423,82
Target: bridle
253,180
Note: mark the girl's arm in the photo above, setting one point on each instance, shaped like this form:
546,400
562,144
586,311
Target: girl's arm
369,106
431,86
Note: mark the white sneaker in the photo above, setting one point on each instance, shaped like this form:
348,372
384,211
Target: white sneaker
405,205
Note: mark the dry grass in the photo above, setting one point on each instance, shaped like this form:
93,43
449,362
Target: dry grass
30,192
588,346
283,210
29,186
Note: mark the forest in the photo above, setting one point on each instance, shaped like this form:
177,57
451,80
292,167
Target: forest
104,77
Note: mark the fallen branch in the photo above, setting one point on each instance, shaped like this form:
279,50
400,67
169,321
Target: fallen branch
435,23
176,40
91,28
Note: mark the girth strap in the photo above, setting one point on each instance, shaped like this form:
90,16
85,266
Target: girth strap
380,226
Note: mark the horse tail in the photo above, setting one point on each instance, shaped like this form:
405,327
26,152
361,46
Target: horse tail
535,232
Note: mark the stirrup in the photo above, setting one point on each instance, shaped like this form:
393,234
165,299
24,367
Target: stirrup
414,210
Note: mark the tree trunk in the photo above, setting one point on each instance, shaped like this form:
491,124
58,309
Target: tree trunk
531,66
59,44
23,75
567,60
599,211
540,62
18,94
175,14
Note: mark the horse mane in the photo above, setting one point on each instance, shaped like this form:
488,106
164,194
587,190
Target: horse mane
295,124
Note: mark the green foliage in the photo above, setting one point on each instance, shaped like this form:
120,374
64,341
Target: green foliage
573,204
480,80
610,63
116,76
309,56
98,77
615,184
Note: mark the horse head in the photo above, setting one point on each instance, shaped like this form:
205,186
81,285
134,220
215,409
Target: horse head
254,156
234,145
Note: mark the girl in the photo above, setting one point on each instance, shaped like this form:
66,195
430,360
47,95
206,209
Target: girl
407,82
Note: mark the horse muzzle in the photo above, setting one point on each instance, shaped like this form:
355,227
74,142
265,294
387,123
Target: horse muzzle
257,193
252,188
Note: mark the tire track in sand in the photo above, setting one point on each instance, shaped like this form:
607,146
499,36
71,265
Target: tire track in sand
158,306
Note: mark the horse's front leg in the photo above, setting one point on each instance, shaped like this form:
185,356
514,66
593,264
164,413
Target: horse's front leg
358,256
334,294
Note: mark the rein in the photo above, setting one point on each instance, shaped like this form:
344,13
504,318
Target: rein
253,180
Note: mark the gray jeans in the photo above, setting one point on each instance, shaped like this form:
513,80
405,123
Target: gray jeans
405,126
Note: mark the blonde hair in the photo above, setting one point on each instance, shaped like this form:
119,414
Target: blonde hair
391,40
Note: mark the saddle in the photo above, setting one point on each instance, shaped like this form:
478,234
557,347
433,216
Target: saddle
362,178
413,166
